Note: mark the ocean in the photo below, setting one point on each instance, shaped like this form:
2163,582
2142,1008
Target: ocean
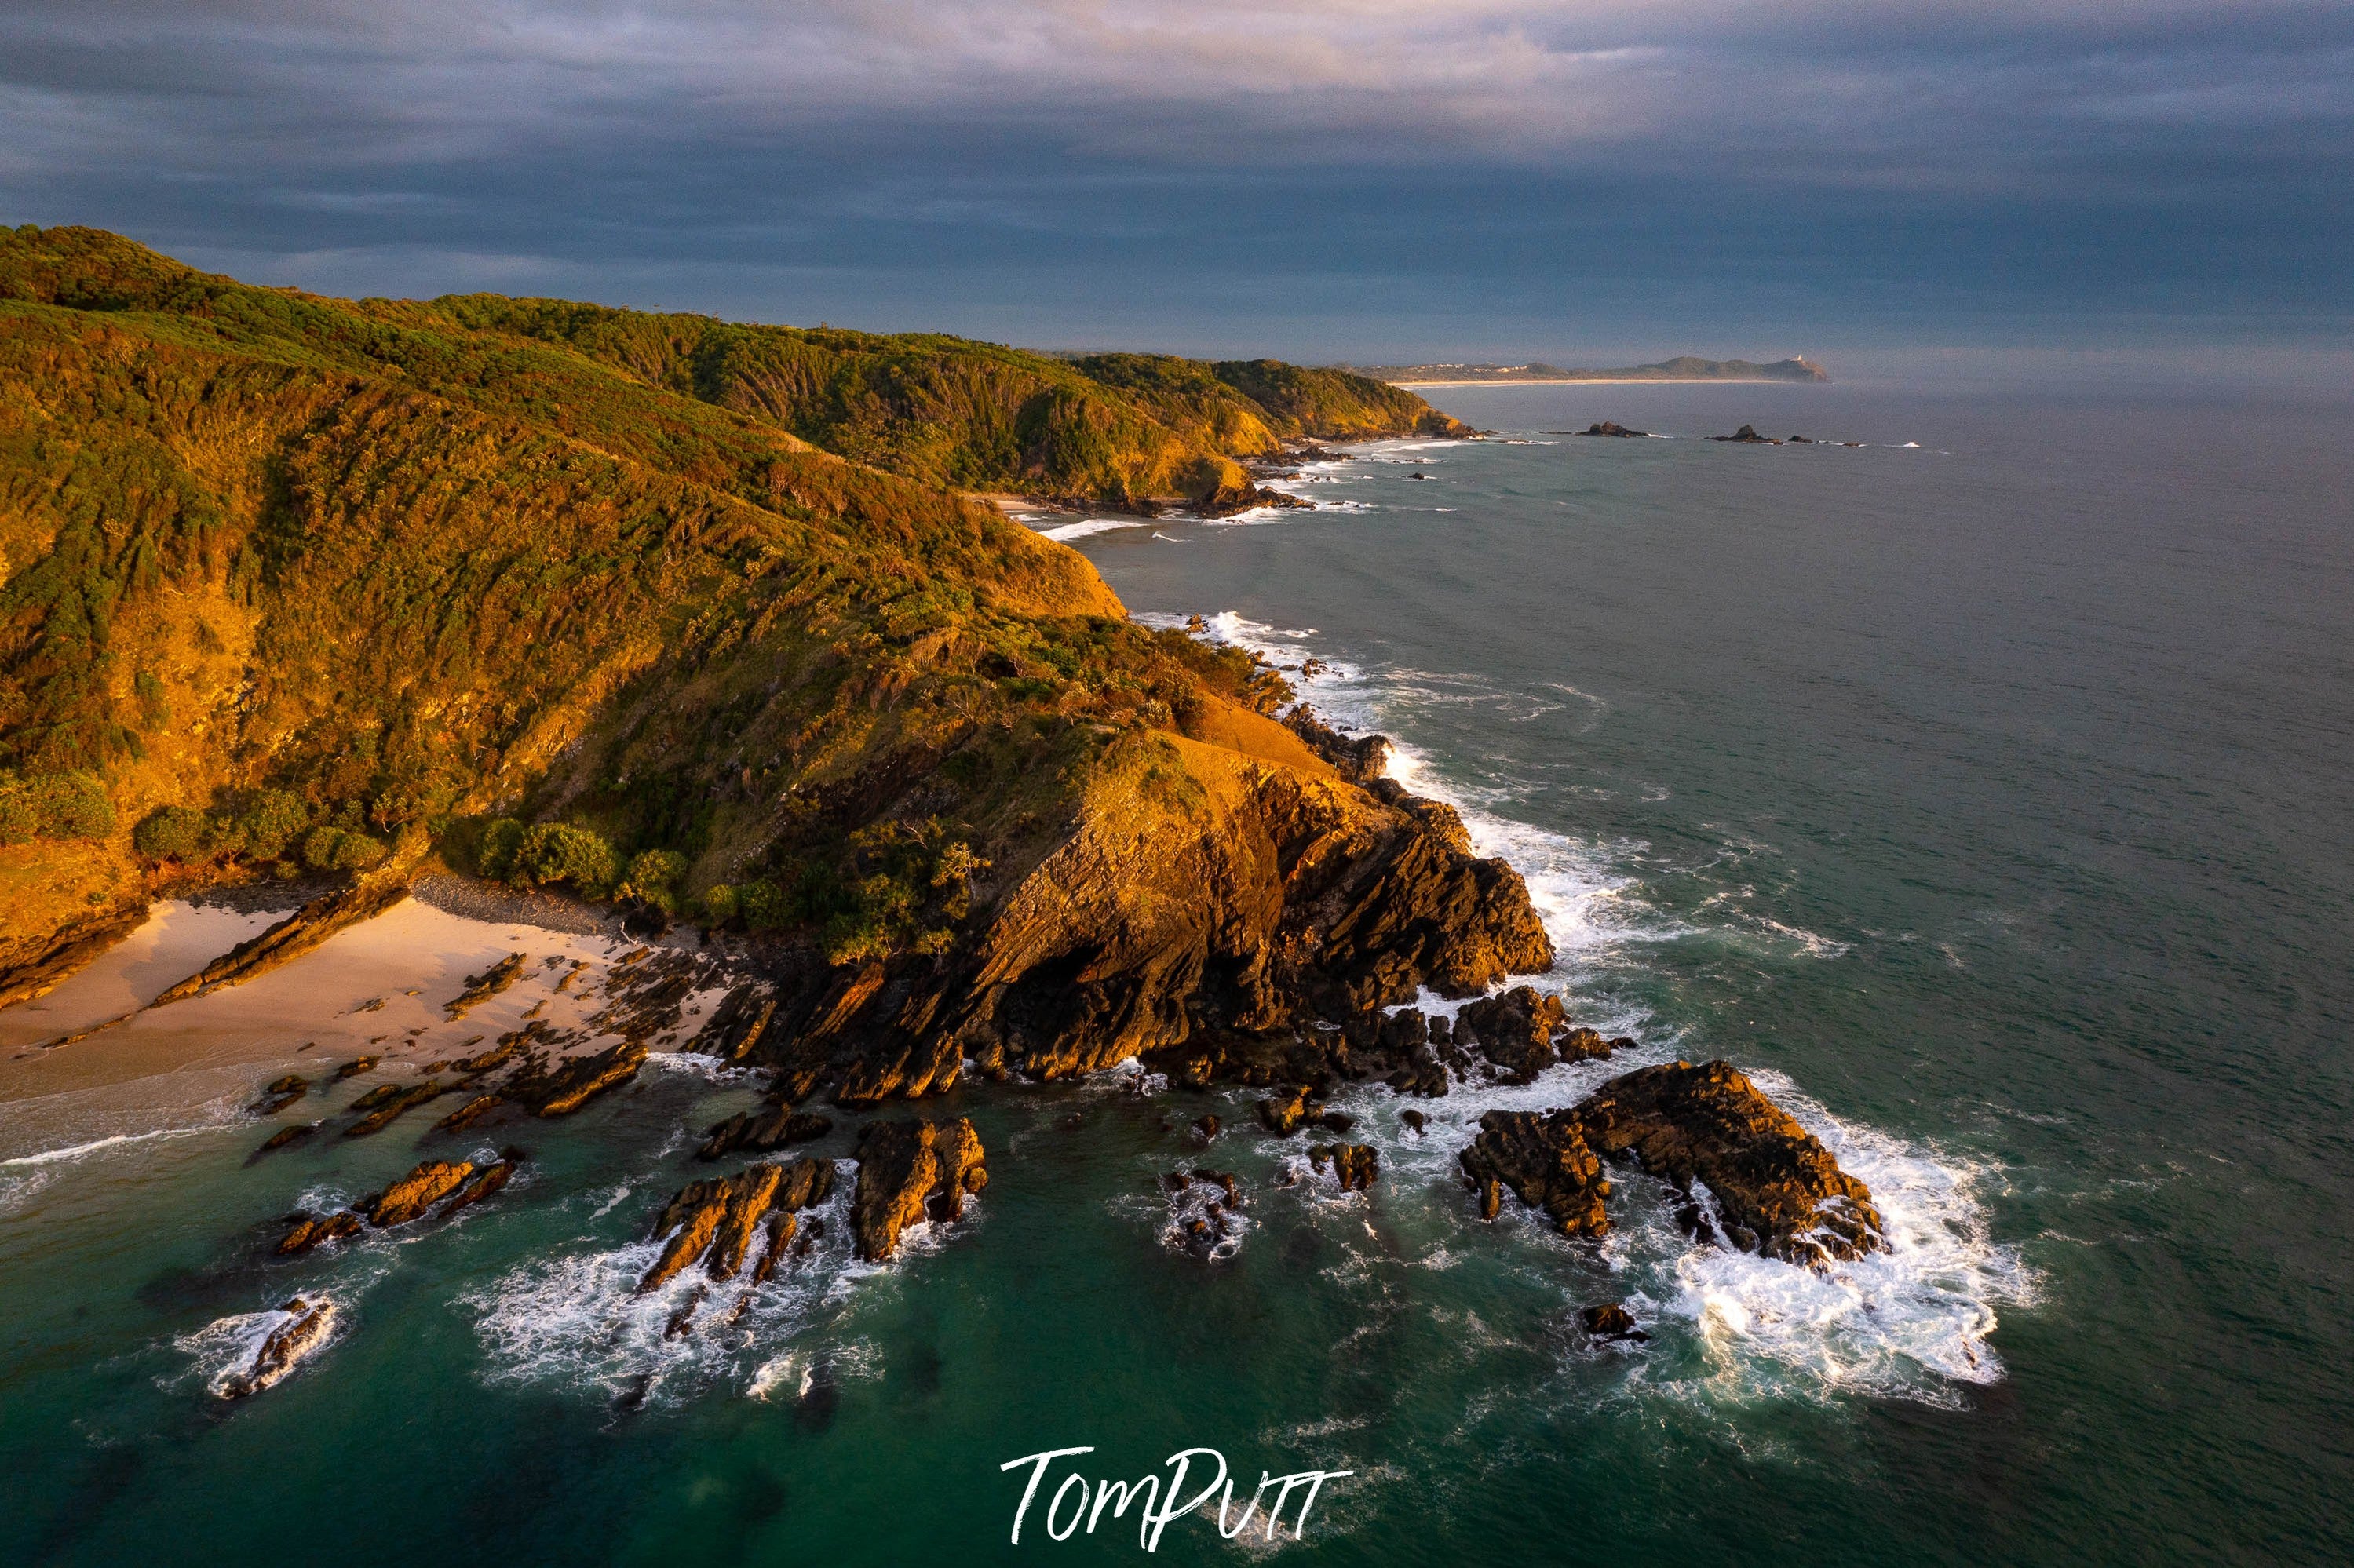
1981,790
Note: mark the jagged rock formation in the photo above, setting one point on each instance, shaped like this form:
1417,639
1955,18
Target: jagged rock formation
1204,1211
1544,1161
1609,428
1778,1189
737,1024
1524,1032
1355,1166
304,929
409,1197
1609,1323
909,1172
34,967
1359,759
714,1220
306,1328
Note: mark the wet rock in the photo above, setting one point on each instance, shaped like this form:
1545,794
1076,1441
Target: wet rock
355,1067
1778,1189
1543,1161
1412,1121
1203,1129
284,1137
1336,1121
282,1093
308,1231
682,1321
386,1104
472,1112
737,1024
497,1057
306,1328
572,1083
404,1200
486,1181
1354,1165
1515,1031
760,1131
1284,1113
908,1170
481,988
1611,1322
714,1221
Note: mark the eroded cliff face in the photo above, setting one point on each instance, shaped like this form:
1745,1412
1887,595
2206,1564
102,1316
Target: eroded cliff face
1224,912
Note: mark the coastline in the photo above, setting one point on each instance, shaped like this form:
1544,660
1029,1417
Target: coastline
1611,381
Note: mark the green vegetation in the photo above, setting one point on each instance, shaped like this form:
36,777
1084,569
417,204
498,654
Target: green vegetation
569,590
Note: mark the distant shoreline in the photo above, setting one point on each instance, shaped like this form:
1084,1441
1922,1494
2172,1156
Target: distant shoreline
1612,381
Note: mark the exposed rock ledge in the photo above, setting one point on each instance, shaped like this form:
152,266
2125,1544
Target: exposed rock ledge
1775,1187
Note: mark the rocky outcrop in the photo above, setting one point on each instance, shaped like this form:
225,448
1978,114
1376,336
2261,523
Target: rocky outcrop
407,1199
380,1106
1355,1166
737,1024
909,1172
714,1221
572,1082
1239,495
1608,428
1358,759
355,1067
472,1112
1776,1189
1611,1323
758,1131
48,964
1524,1032
1287,1113
304,929
306,1327
1747,435
282,1093
284,1137
309,1230
486,1182
1203,1212
481,988
1544,1161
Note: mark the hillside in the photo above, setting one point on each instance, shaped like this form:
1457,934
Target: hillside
566,596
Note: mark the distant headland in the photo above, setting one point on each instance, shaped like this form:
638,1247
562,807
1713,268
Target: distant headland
1683,367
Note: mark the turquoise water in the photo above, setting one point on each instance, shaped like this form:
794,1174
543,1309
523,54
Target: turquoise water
1985,799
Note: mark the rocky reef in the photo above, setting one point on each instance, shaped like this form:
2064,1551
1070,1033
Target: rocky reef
714,1221
1776,1190
306,1327
910,1171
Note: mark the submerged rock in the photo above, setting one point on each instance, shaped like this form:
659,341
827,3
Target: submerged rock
909,1172
282,1093
472,1112
384,1103
761,1130
284,1137
307,1327
1778,1189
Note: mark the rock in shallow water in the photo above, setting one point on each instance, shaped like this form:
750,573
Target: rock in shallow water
714,1219
305,1331
908,1172
1778,1189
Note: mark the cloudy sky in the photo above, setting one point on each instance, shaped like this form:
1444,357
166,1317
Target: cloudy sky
1360,179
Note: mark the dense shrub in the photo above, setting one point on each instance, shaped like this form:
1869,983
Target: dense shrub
330,848
494,856
558,851
54,806
271,822
653,878
172,832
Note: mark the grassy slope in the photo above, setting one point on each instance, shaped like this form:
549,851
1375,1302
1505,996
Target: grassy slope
415,570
